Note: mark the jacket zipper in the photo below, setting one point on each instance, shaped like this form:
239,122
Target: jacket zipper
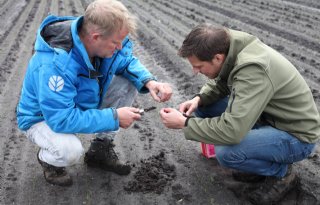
233,97
111,67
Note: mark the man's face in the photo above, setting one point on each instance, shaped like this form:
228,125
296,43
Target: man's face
105,46
211,69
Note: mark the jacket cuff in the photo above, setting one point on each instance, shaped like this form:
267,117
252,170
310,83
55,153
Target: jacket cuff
115,113
201,99
143,88
187,120
149,79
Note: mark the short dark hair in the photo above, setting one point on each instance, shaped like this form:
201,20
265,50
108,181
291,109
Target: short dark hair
204,42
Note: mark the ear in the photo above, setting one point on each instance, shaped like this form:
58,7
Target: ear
95,36
219,57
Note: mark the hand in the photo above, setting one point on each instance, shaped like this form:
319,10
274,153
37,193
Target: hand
172,118
189,106
127,115
160,92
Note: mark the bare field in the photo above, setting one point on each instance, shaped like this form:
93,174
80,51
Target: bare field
290,26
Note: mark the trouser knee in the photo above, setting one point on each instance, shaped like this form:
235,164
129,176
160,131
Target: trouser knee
227,158
219,154
121,93
72,152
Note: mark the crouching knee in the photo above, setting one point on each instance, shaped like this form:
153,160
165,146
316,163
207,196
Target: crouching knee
73,152
227,157
220,152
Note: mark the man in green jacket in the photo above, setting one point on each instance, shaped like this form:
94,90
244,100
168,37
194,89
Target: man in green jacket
256,108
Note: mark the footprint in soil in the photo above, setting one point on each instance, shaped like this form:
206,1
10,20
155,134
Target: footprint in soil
179,194
153,175
146,133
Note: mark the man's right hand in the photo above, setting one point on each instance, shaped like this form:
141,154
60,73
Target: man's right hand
127,115
189,106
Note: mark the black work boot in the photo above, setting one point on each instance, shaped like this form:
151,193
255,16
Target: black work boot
275,189
55,175
247,177
244,183
102,155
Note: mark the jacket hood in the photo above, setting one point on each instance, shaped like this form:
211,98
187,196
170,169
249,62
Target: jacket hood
60,35
238,41
54,32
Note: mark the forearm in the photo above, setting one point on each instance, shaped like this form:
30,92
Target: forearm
78,121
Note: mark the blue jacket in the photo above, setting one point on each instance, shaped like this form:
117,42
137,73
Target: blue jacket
62,87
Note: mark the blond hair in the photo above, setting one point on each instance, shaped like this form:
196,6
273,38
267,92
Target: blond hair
108,17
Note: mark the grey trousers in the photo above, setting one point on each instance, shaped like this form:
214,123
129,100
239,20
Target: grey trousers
121,93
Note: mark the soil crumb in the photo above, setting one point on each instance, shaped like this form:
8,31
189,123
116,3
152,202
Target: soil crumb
153,175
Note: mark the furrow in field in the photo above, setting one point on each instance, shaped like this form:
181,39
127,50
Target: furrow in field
306,60
306,55
11,14
61,8
84,4
198,15
8,13
158,22
303,41
54,8
3,2
188,14
162,46
78,8
14,161
12,43
312,4
72,8
279,14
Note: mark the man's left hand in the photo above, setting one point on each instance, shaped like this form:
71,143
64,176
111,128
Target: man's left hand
160,92
172,118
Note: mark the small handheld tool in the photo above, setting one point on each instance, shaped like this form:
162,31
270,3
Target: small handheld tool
141,111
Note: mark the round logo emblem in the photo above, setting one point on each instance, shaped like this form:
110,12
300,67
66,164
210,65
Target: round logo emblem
56,83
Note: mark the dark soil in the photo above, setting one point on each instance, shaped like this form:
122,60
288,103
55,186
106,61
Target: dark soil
153,175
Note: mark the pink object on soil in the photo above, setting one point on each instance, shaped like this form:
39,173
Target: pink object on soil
208,150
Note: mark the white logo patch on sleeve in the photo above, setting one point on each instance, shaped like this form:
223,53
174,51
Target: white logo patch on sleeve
56,83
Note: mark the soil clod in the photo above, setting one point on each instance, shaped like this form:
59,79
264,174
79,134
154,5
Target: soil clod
153,175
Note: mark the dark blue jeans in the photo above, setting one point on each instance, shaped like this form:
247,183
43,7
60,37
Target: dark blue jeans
265,150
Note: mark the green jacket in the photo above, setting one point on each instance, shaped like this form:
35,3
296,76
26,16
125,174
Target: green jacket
262,86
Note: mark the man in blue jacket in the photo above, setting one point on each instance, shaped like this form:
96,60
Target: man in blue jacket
83,78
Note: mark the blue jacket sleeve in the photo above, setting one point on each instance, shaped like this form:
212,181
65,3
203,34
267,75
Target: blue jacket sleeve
132,69
56,97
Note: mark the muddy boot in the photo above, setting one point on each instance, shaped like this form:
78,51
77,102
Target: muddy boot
240,189
55,175
102,155
275,189
247,177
